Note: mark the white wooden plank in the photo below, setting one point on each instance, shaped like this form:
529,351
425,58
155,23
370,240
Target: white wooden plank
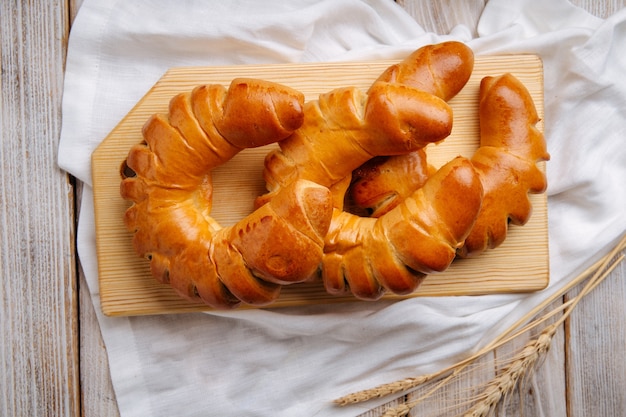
596,370
442,16
38,302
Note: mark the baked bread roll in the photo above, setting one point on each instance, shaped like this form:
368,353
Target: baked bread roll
168,180
441,69
403,111
383,183
510,148
346,127
369,256
300,228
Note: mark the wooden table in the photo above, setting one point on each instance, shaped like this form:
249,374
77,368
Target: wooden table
52,358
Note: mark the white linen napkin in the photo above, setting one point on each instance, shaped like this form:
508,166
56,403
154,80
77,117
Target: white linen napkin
296,361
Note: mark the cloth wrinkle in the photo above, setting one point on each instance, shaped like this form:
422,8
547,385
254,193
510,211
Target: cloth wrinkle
296,361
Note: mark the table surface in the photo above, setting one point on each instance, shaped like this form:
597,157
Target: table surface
52,358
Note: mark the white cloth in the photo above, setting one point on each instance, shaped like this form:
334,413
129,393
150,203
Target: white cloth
295,361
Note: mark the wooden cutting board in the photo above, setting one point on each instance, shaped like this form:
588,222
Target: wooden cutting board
521,264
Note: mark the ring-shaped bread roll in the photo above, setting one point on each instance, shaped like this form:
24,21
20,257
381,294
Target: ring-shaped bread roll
168,180
300,225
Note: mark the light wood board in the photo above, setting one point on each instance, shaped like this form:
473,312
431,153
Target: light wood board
521,264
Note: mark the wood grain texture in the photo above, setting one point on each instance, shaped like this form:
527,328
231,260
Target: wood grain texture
38,299
571,381
541,392
596,370
25,390
126,286
97,395
602,9
442,16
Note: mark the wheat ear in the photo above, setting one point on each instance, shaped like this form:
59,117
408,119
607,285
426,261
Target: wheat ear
525,360
409,383
507,380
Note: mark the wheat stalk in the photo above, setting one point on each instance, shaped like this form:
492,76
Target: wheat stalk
407,384
508,379
385,390
525,360
500,386
519,365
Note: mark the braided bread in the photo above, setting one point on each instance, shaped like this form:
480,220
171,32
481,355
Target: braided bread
394,252
382,183
168,180
505,165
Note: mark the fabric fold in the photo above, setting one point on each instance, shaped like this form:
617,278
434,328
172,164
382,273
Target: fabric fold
295,361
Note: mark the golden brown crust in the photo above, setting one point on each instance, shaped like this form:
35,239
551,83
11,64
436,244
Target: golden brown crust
432,223
283,239
419,236
442,69
403,111
168,180
402,119
346,127
274,116
382,183
511,147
